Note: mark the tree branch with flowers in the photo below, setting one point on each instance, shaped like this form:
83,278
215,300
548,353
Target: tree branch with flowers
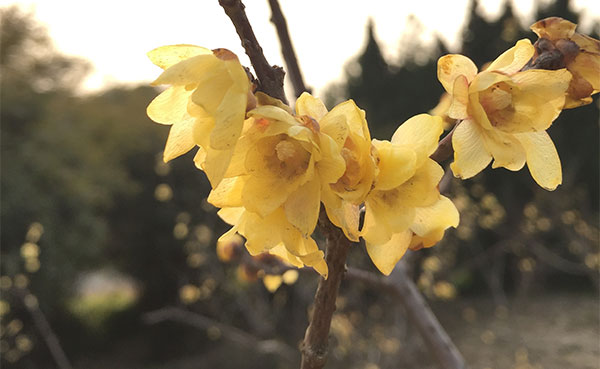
279,174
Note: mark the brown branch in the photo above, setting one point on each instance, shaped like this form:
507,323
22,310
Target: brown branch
315,344
232,333
419,313
287,49
444,149
270,77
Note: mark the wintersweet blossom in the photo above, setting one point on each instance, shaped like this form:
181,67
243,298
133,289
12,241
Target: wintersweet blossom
505,113
580,55
347,126
281,163
405,209
206,104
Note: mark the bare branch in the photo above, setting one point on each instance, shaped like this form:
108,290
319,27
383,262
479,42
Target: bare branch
270,77
444,149
418,312
315,344
232,333
287,49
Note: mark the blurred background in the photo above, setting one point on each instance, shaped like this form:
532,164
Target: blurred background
109,257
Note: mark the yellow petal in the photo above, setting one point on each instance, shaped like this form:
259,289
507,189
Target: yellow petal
264,195
190,70
542,159
228,193
215,165
453,65
554,28
429,221
421,133
460,98
231,215
167,56
506,150
331,166
180,140
384,216
396,164
536,103
385,256
170,106
470,153
342,214
303,205
587,65
514,59
311,106
229,120
421,189
352,115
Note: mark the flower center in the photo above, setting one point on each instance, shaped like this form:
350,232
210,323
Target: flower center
497,101
285,150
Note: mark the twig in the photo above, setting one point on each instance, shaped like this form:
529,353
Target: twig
44,328
315,344
270,77
287,49
232,333
419,313
444,149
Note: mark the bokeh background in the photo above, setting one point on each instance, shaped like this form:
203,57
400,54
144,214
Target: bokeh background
108,255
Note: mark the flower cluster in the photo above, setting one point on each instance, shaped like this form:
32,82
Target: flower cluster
505,110
274,170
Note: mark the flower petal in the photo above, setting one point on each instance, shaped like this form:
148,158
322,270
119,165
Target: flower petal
385,256
228,193
470,153
180,140
303,205
460,98
190,70
537,101
451,66
167,56
170,106
396,164
542,159
421,133
429,221
554,28
311,106
513,59
506,150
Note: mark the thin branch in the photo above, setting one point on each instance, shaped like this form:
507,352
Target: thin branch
270,77
315,345
419,313
232,333
287,49
43,326
444,149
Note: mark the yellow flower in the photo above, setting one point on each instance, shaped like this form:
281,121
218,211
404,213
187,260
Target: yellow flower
206,104
505,113
404,208
347,126
580,55
278,169
274,234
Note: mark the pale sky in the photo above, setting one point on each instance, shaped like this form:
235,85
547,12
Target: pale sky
116,34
